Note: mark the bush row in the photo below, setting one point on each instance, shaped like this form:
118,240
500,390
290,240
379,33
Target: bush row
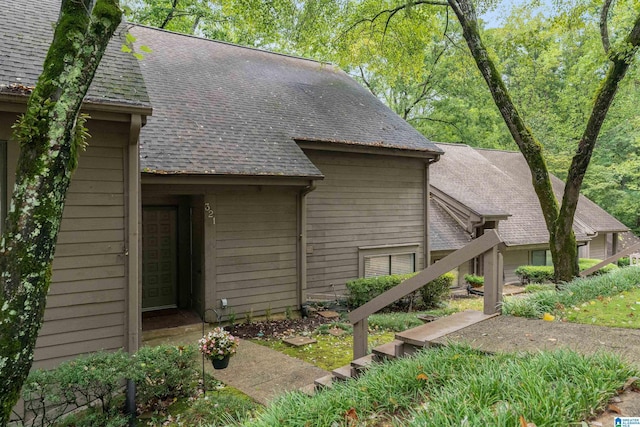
544,273
572,294
160,373
364,290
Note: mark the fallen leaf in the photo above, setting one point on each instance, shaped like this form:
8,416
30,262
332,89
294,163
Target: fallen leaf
523,422
614,408
351,416
423,377
548,317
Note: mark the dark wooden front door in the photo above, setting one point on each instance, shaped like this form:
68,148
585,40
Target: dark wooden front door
159,257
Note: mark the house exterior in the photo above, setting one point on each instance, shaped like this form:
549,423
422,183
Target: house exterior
93,273
286,176
258,179
480,188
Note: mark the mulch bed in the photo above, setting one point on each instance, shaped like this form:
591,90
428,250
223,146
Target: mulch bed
278,329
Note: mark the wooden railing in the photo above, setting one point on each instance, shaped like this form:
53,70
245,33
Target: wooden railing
630,250
486,245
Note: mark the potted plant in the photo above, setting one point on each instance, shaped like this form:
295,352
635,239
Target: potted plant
218,346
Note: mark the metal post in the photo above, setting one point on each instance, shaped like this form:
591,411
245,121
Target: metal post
204,380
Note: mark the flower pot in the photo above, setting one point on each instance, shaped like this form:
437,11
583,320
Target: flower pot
221,363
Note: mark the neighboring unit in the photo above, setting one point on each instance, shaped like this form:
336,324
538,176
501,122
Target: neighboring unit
481,189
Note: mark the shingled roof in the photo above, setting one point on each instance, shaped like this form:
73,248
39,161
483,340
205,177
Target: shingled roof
444,233
490,182
25,36
230,110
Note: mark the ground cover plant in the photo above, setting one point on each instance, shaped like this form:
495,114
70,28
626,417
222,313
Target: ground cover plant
456,385
621,311
572,294
331,352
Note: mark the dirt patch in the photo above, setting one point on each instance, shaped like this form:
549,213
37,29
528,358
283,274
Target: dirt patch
278,329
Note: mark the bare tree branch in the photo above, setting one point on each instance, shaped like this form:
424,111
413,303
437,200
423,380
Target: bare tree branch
604,27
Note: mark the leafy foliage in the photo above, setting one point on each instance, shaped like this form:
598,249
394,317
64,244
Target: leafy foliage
436,291
573,293
364,290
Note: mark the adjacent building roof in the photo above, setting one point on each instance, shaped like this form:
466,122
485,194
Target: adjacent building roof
490,182
25,34
445,234
230,110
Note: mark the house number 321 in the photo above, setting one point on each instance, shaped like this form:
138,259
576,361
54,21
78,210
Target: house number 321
209,212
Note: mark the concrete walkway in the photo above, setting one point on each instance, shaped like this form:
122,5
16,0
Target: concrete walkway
264,374
514,334
258,371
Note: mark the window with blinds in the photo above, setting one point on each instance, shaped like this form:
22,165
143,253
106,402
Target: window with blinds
383,265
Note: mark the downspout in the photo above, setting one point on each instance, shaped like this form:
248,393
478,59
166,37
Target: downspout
134,267
133,235
427,197
302,242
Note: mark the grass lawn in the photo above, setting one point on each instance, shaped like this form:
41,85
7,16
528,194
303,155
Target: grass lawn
331,352
459,386
622,311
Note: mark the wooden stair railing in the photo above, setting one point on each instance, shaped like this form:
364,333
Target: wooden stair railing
486,244
613,258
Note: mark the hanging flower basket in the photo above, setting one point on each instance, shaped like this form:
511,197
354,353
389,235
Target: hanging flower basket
218,346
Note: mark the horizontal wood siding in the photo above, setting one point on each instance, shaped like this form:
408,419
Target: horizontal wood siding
256,249
513,259
364,200
598,247
86,303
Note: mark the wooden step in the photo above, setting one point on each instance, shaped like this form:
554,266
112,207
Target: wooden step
362,363
422,335
344,372
324,382
388,351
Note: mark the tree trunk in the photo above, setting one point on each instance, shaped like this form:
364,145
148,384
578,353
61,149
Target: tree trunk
50,135
558,219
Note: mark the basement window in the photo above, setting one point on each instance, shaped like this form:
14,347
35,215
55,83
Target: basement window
386,260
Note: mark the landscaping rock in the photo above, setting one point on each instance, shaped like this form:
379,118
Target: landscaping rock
299,341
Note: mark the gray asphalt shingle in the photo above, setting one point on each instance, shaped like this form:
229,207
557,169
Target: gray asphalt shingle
226,109
26,32
493,181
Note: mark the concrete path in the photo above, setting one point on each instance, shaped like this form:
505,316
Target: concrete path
258,371
513,334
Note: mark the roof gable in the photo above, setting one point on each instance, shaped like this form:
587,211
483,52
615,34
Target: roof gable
490,181
25,36
226,109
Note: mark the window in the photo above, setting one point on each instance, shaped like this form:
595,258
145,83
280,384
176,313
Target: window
389,264
385,260
541,257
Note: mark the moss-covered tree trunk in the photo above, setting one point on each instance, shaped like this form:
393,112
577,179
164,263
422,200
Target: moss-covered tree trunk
49,133
558,218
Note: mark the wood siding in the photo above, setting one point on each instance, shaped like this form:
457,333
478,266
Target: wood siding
256,241
364,200
86,308
513,259
598,247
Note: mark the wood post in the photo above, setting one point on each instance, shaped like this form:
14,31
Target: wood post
492,280
360,338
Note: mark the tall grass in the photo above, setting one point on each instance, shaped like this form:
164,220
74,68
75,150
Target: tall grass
456,385
576,292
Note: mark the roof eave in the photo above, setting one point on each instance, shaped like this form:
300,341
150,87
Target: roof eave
367,148
19,102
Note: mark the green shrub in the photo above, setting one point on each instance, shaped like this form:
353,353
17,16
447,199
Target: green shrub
585,263
623,262
434,292
534,273
473,280
96,377
164,372
362,291
574,293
